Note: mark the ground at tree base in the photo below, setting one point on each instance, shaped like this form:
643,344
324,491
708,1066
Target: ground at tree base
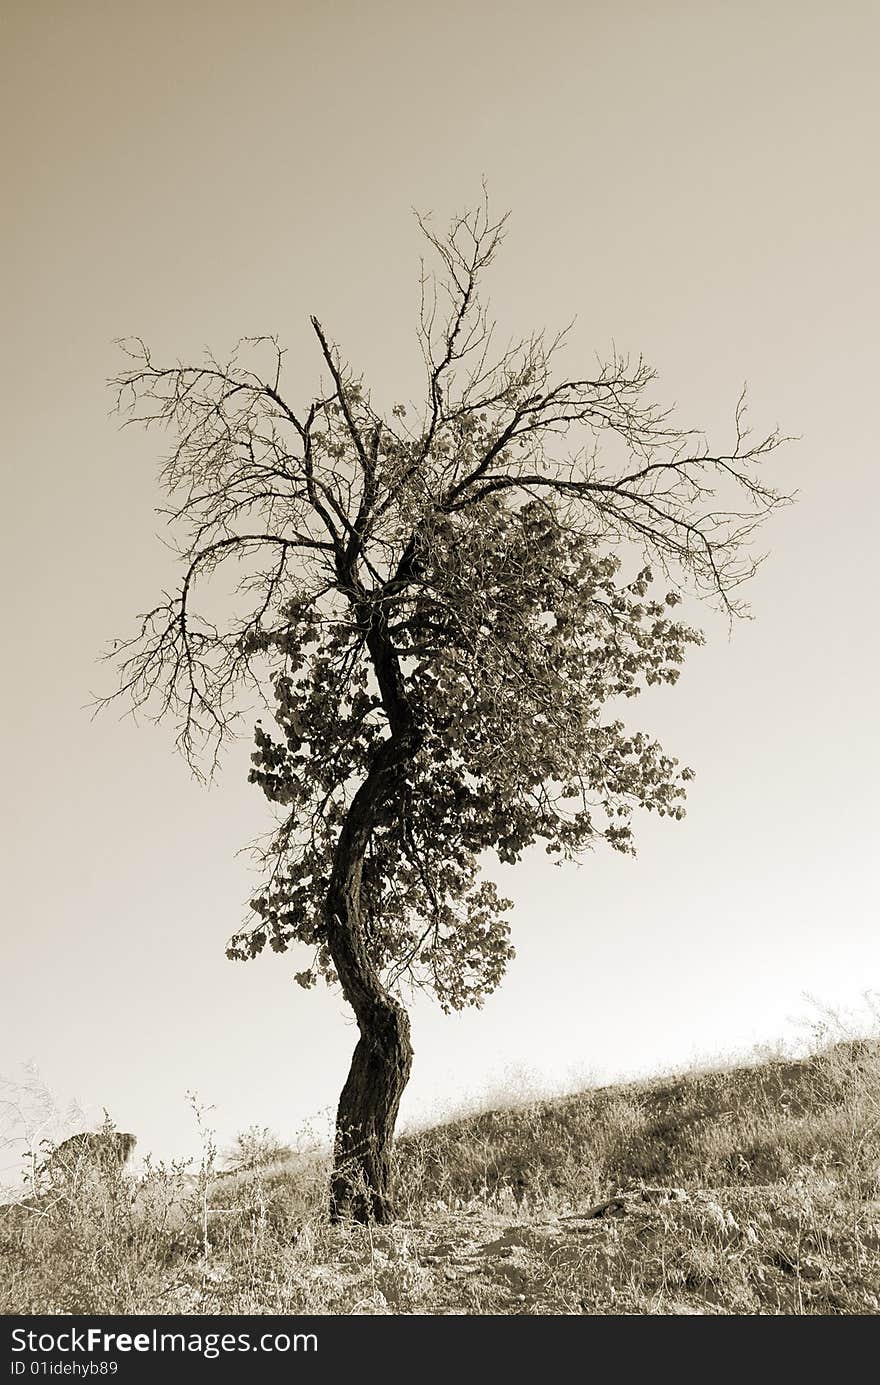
753,1190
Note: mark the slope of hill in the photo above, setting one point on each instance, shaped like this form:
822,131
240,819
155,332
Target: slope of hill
750,1190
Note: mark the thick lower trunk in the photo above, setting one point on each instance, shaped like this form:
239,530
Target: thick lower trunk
382,1060
380,1068
367,1114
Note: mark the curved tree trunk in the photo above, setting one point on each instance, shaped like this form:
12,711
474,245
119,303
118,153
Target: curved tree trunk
380,1068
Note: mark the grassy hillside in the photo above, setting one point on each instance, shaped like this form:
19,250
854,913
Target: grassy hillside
749,1190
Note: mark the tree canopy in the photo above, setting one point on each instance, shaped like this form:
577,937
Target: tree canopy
512,640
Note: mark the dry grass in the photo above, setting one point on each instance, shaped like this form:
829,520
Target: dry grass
750,1190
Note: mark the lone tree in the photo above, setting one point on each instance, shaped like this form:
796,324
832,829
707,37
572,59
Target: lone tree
442,604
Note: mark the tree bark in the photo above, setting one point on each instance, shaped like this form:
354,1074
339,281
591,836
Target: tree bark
367,1114
380,1067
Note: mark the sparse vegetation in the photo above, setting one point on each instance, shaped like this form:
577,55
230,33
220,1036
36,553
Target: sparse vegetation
256,1148
746,1190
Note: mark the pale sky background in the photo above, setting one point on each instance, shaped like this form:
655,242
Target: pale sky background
697,182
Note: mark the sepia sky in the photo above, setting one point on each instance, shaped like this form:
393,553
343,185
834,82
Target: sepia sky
696,182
